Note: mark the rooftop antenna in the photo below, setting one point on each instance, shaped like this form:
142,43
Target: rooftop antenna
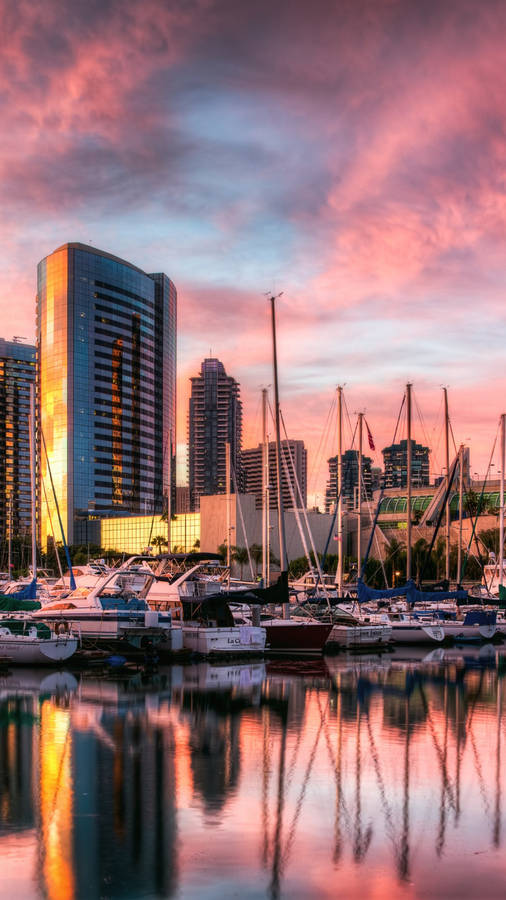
18,338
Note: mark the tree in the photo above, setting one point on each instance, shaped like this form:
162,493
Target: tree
419,552
223,550
240,556
159,541
256,555
438,554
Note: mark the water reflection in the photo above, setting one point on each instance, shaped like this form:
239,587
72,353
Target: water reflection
380,774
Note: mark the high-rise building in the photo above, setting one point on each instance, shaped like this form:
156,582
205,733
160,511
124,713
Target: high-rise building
294,454
106,343
214,419
17,373
395,460
349,462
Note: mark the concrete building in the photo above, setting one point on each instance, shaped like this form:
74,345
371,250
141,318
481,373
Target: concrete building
395,462
17,373
349,463
106,337
213,526
214,419
294,455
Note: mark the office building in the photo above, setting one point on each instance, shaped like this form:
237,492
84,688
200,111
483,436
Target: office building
215,419
293,474
395,461
106,342
349,480
17,373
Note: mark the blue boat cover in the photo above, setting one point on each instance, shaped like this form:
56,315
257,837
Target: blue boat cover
480,617
366,593
28,592
407,590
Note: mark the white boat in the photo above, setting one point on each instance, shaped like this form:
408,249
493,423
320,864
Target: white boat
492,577
206,622
207,640
24,642
407,630
477,625
113,610
357,636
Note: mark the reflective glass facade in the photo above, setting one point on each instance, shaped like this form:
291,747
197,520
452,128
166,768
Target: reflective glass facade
106,386
17,372
133,534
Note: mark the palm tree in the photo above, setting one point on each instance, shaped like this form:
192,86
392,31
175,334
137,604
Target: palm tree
240,556
439,555
420,548
159,541
256,555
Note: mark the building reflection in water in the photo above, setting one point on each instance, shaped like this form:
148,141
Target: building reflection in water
273,780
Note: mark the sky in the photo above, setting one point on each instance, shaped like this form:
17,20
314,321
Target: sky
351,155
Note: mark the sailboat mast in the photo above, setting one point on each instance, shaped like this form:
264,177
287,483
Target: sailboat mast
169,495
461,507
501,502
32,481
408,477
281,513
227,492
359,497
447,511
265,488
9,545
340,490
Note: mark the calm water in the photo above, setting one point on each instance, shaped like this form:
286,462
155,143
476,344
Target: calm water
371,777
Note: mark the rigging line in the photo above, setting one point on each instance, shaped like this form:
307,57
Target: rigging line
243,526
297,517
303,507
453,437
58,560
475,521
421,418
347,414
312,478
67,553
169,488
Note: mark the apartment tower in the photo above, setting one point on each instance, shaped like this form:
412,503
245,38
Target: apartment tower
17,373
214,419
293,474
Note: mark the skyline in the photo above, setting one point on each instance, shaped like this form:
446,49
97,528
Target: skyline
352,159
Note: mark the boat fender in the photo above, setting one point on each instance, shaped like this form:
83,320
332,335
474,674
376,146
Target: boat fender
63,628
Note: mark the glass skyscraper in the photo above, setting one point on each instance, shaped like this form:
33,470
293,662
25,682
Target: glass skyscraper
17,372
106,357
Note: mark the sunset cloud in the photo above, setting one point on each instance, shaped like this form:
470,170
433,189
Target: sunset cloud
351,155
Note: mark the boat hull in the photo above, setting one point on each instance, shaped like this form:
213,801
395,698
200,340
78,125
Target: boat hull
234,641
459,632
403,633
350,636
24,651
297,637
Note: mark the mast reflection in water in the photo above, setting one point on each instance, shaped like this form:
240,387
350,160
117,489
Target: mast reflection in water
373,777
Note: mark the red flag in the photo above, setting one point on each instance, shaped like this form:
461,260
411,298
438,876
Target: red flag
369,437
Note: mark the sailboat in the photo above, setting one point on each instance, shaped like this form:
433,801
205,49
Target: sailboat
286,635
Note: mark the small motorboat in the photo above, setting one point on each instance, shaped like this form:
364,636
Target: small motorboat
26,642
